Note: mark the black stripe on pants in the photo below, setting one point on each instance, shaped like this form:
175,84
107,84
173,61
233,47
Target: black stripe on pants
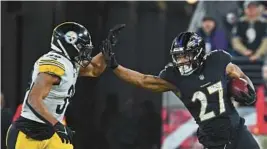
12,137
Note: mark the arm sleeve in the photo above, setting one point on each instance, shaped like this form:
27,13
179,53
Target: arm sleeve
236,30
262,50
236,42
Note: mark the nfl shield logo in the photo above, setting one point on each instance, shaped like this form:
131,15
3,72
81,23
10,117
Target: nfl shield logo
201,77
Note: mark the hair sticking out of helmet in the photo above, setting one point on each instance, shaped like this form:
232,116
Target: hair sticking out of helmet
187,52
73,41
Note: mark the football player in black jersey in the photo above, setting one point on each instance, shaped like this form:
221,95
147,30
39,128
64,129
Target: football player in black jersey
200,81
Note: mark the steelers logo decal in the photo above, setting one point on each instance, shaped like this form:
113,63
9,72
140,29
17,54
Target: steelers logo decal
71,37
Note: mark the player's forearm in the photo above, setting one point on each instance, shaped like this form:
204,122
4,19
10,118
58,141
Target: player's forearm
262,48
40,108
129,75
99,64
95,68
149,82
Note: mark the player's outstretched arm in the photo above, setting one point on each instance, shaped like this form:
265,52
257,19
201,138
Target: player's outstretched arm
38,92
95,68
98,63
149,82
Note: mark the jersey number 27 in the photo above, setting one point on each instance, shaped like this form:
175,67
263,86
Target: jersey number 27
215,88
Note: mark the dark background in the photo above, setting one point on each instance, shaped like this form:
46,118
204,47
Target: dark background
105,109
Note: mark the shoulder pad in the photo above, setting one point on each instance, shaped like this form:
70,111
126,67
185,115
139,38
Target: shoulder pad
218,51
52,64
168,65
166,69
221,57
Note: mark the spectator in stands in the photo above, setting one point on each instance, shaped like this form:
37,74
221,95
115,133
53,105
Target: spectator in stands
6,118
250,33
264,13
213,36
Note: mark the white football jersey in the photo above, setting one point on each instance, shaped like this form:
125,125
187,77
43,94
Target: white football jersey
59,95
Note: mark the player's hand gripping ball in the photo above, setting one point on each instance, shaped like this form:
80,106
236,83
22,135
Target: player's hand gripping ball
238,86
240,91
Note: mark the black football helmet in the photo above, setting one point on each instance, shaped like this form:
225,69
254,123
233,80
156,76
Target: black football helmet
188,51
74,42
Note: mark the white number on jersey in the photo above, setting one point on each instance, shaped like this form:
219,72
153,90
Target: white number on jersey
217,87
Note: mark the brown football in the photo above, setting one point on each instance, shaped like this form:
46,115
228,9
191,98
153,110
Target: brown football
237,86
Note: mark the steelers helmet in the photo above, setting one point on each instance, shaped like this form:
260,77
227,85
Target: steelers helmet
73,41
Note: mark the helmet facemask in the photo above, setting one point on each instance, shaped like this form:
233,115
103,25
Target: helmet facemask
84,56
185,62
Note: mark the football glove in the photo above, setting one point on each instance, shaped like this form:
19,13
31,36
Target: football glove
111,41
109,55
251,96
246,98
64,132
114,32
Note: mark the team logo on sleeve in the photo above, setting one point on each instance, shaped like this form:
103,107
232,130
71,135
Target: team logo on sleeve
71,37
201,77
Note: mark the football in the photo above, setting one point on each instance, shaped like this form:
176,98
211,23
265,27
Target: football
237,86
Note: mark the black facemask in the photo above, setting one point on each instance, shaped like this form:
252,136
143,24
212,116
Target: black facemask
84,58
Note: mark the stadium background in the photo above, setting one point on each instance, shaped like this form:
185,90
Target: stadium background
107,112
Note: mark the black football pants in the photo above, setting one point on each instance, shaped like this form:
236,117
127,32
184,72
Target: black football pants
244,140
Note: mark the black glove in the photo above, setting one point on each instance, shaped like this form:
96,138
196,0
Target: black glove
112,63
106,49
251,97
246,98
64,132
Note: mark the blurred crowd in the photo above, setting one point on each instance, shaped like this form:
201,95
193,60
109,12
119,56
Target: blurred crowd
248,31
